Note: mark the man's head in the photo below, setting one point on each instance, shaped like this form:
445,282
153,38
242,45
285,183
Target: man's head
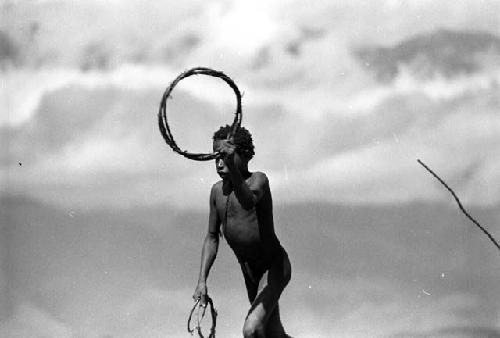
242,140
244,149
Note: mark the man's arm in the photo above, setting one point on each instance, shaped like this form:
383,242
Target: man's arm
209,251
248,195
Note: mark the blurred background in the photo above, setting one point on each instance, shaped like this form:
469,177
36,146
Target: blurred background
102,224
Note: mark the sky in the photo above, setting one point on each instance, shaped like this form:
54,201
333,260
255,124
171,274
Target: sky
102,223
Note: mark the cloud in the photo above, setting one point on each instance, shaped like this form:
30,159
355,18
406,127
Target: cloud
459,331
373,159
226,34
355,270
8,49
118,274
149,313
79,125
108,131
29,321
23,90
445,53
79,119
106,139
129,31
375,308
96,276
5,298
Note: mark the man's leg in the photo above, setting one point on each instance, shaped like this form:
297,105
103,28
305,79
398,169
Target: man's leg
263,318
274,327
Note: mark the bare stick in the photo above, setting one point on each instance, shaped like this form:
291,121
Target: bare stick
162,113
460,205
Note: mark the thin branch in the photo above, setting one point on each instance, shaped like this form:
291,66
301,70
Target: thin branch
460,205
162,112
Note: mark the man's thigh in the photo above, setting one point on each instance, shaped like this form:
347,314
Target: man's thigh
270,287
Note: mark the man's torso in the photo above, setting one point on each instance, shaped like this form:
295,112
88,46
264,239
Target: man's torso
250,233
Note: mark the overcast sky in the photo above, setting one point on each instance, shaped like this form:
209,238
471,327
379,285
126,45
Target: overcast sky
342,98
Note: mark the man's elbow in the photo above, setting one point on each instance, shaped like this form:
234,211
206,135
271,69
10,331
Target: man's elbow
212,237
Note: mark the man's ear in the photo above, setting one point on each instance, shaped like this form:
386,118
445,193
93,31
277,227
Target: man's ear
246,155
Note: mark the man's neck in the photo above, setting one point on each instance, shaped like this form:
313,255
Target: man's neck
227,183
245,173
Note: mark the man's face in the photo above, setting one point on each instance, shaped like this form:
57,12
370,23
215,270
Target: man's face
221,167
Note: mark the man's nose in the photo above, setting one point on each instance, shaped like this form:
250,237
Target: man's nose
220,163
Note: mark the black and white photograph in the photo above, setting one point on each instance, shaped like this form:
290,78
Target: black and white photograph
256,169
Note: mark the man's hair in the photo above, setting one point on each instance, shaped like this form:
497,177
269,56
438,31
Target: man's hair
242,139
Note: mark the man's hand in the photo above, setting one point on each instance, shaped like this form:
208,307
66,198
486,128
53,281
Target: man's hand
226,151
201,293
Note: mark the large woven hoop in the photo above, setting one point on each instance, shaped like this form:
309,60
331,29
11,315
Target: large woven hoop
162,113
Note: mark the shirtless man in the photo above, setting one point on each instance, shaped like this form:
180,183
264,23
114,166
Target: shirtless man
241,202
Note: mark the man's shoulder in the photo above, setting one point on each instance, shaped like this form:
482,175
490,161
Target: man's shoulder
259,175
217,186
258,179
216,190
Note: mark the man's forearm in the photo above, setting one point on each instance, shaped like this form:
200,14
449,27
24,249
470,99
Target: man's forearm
243,193
209,252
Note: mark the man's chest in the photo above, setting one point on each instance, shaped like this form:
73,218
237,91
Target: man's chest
228,207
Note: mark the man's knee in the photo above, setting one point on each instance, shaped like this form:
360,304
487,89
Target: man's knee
253,329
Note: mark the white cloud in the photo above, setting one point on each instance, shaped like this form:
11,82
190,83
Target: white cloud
371,319
386,170
380,167
23,89
368,158
242,27
98,273
29,321
151,313
375,307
